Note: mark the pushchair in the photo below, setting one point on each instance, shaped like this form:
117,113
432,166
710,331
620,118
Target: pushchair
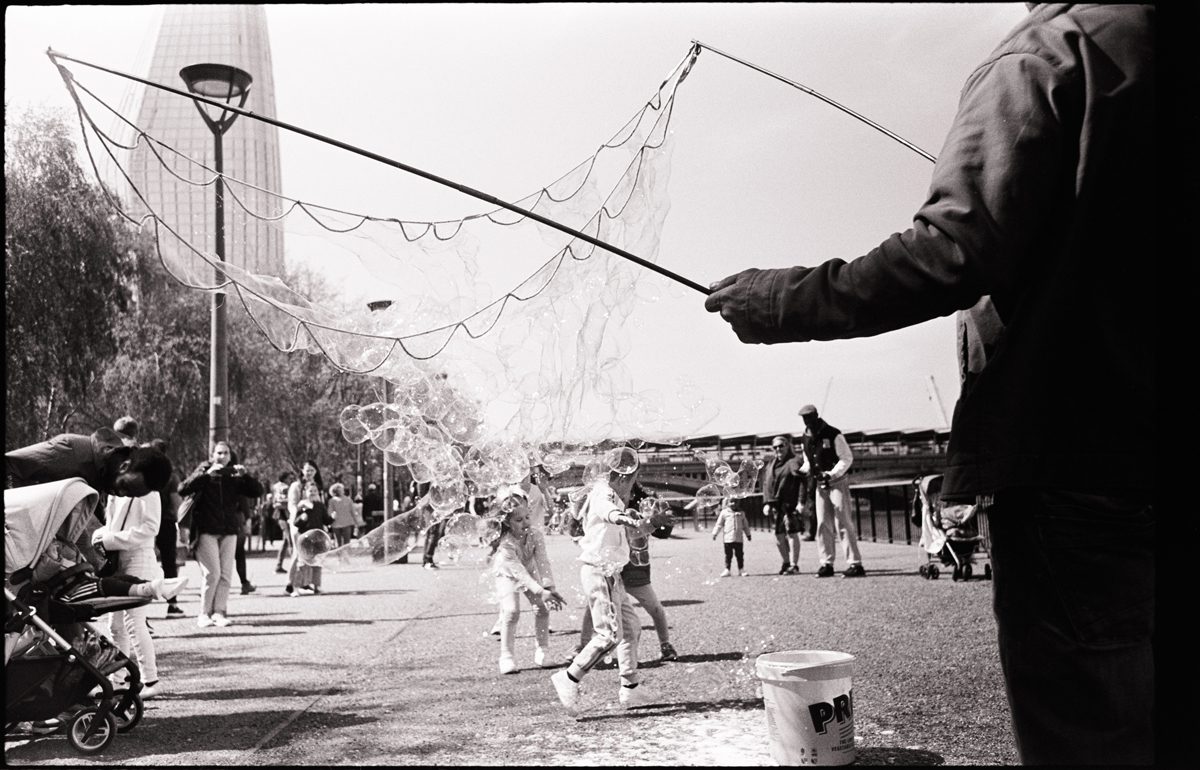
951,535
57,667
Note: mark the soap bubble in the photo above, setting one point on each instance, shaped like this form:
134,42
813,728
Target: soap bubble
312,546
623,460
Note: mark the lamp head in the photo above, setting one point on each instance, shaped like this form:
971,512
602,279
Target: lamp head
216,81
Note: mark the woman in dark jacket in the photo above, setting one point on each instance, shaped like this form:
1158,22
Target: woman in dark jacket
782,488
218,487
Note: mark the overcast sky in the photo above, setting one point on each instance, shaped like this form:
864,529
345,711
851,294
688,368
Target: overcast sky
505,98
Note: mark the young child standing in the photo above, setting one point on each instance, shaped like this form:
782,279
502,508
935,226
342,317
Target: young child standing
734,524
605,550
520,565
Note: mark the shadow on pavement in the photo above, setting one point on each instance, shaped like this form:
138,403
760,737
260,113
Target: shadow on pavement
199,733
262,692
680,602
690,707
709,658
897,757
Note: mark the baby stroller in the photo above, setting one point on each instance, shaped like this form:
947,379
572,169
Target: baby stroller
56,666
952,535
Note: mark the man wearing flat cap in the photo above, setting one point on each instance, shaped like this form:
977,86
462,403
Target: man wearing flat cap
826,460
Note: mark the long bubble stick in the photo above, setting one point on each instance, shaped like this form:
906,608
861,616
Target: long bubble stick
825,99
54,56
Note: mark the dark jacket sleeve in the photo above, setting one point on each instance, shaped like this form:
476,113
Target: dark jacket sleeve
993,184
249,486
195,482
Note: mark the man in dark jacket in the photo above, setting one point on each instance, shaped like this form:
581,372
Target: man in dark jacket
1040,224
102,460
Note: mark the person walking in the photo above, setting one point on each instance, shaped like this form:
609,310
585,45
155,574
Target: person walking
279,508
167,539
218,487
733,528
781,488
245,523
1039,229
807,506
826,459
341,508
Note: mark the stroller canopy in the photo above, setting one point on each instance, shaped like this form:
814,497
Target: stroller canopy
34,514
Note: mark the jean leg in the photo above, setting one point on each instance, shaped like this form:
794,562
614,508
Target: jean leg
826,527
209,559
228,550
839,498
647,597
1073,580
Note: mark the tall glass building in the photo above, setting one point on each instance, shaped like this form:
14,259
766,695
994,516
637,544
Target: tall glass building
220,34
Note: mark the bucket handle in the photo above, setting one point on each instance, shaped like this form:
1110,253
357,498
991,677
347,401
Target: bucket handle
814,673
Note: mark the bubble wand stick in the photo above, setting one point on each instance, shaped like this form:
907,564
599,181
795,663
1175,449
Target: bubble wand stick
55,56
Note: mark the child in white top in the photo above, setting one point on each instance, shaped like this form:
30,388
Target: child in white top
734,524
520,565
604,551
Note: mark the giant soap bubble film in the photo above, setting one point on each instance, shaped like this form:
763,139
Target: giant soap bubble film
502,340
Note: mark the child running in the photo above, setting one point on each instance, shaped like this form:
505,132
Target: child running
605,550
520,565
733,523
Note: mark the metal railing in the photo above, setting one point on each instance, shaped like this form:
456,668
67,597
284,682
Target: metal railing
882,513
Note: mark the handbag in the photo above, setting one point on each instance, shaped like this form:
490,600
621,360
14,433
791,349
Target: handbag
112,560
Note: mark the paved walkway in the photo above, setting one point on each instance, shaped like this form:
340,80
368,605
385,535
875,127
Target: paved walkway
393,666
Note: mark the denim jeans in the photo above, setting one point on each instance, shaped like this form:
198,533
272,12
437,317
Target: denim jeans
1074,602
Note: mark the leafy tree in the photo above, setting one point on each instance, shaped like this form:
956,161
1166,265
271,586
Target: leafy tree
67,260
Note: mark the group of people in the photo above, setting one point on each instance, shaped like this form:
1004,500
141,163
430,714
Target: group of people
614,564
804,472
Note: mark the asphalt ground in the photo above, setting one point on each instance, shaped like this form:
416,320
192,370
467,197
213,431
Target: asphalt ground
393,666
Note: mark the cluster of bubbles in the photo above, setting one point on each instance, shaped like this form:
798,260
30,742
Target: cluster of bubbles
724,482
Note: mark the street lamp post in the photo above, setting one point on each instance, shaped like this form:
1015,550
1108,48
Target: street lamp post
224,82
384,304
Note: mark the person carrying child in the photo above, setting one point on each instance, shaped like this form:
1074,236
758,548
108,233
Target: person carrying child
605,550
521,566
307,509
733,523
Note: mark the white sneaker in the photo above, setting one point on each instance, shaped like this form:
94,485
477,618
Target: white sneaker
724,573
220,620
168,588
539,657
153,690
508,665
633,697
568,691
204,621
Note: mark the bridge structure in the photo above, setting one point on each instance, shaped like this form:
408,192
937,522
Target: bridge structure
881,477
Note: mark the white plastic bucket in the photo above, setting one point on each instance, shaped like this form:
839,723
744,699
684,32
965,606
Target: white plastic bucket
810,706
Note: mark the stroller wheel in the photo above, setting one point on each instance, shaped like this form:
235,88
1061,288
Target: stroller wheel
934,572
97,741
957,575
966,572
923,570
129,718
987,572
